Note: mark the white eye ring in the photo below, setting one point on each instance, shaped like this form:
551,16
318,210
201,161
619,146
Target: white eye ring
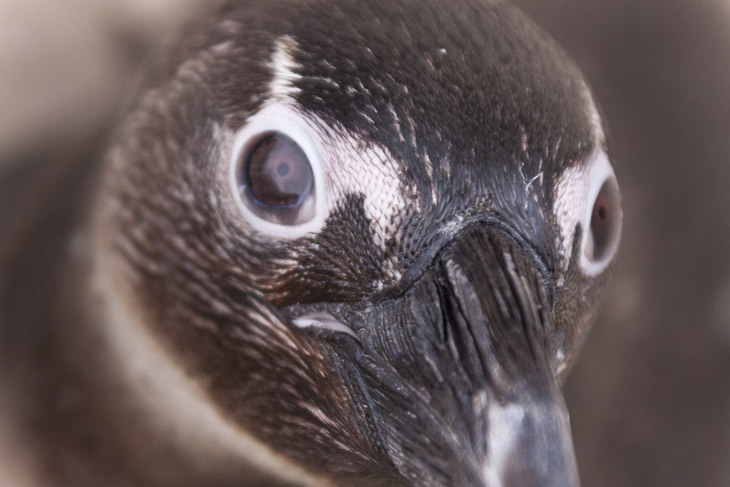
282,119
576,195
602,219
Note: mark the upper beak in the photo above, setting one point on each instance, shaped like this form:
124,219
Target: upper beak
460,370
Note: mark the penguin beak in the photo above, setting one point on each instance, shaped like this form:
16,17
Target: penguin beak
460,372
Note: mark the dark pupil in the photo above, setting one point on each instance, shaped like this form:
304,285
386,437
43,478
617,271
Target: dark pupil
601,222
278,172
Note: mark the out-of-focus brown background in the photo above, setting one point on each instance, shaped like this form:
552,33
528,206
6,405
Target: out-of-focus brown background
65,65
650,396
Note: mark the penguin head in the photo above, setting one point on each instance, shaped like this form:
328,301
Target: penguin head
373,233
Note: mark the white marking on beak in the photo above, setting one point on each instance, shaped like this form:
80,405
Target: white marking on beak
326,321
530,445
504,423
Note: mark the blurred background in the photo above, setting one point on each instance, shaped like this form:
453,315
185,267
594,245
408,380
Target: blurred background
650,395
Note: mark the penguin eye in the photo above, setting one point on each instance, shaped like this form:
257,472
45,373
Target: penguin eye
276,174
602,223
277,179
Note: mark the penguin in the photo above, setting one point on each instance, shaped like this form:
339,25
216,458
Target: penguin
329,243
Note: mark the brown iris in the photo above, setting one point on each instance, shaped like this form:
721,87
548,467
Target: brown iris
605,220
277,172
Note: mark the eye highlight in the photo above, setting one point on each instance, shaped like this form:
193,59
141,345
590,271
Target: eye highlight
276,174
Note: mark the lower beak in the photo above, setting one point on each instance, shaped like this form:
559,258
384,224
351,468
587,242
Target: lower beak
460,370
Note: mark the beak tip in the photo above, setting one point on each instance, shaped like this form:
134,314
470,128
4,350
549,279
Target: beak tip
530,445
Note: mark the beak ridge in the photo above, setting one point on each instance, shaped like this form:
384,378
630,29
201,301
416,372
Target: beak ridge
461,370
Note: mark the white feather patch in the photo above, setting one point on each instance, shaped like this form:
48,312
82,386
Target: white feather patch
281,86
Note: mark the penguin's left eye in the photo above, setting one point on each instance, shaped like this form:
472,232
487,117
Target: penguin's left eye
276,174
602,221
588,199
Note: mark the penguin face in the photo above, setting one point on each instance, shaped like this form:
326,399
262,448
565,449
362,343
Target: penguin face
372,234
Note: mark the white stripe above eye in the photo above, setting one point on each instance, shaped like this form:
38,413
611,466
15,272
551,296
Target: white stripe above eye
283,67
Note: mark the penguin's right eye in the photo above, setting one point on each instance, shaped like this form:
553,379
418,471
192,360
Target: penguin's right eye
277,174
277,180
